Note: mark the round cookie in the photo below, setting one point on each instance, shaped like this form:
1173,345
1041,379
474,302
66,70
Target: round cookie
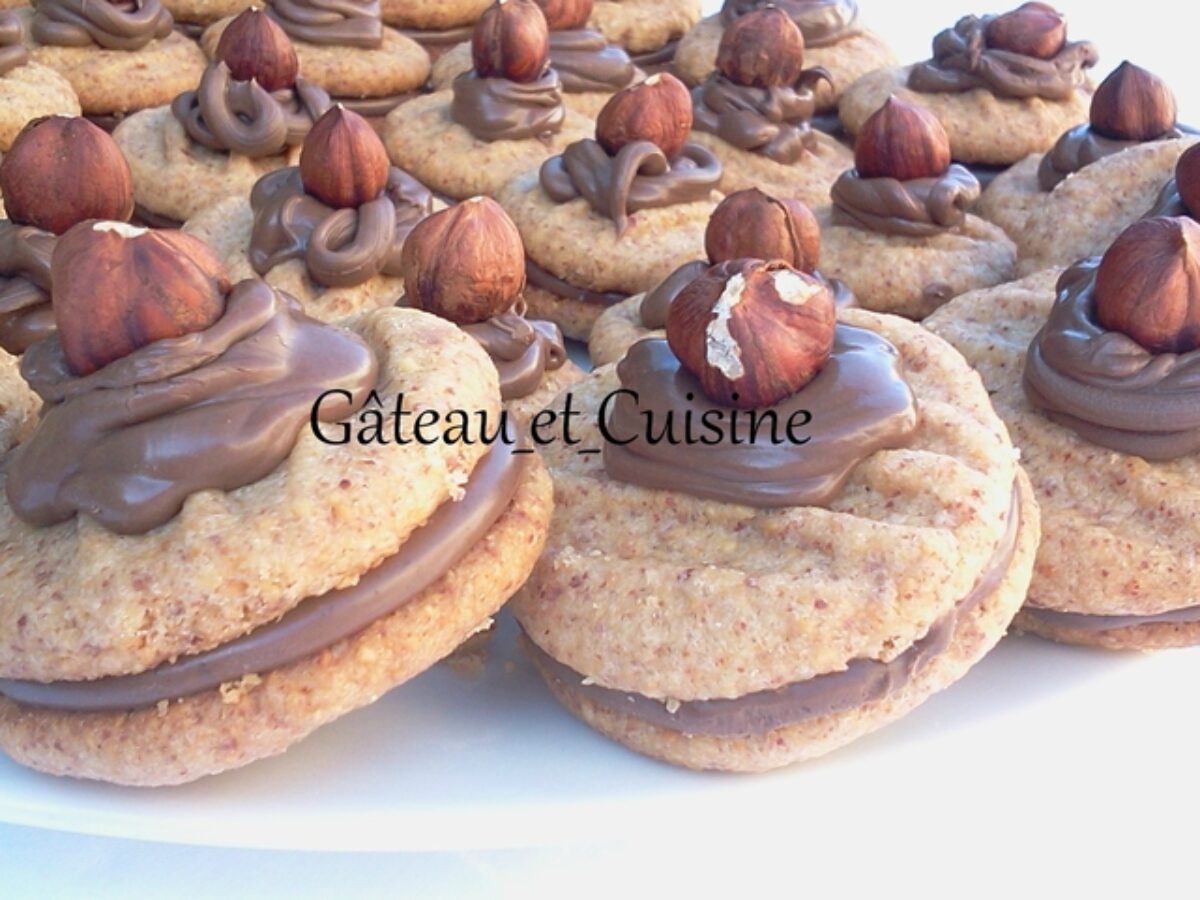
1118,531
432,15
846,60
18,404
970,118
30,92
192,13
1083,215
617,329
808,180
423,138
647,597
645,27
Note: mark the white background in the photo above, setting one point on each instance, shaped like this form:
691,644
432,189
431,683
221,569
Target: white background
1090,787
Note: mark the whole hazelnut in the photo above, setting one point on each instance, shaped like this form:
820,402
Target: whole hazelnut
465,263
1187,179
254,47
762,49
565,15
752,224
752,332
343,162
1132,104
903,141
658,110
62,170
1032,29
118,288
1148,285
511,41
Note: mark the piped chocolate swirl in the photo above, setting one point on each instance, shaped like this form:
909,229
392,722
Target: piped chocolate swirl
917,207
124,26
587,62
823,22
523,351
25,313
774,122
497,109
333,23
12,52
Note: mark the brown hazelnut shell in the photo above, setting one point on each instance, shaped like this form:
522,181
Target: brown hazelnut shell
1032,29
903,141
750,223
566,15
762,49
658,110
511,41
343,163
254,46
1132,104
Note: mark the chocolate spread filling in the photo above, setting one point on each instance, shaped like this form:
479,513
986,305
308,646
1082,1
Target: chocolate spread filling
552,284
124,26
523,351
1079,148
858,404
920,207
1098,623
243,117
1105,386
375,107
12,52
26,316
587,62
822,22
217,409
638,177
496,109
963,61
863,681
333,23
317,622
1169,202
340,247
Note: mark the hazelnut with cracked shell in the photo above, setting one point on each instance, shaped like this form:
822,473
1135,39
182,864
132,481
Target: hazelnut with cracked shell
750,223
658,110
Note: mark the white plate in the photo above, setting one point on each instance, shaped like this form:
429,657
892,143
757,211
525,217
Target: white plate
455,762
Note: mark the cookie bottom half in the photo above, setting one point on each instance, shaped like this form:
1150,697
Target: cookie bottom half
218,730
975,634
1147,635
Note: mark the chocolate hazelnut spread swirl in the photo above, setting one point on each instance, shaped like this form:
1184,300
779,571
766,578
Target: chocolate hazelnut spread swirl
243,117
859,403
639,177
963,61
774,122
658,301
496,109
587,62
1079,148
559,287
920,207
126,26
317,622
12,52
1169,202
26,316
340,247
337,23
213,410
523,351
823,22
1105,386
862,681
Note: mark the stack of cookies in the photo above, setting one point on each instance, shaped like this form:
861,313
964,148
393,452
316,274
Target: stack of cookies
885,362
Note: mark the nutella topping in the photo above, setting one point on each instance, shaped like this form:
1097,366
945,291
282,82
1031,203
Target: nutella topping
523,351
658,300
962,61
12,52
243,117
586,61
25,312
862,681
1101,623
540,278
772,121
1105,386
128,25
919,207
1080,147
823,22
496,109
1169,202
213,410
338,23
375,107
341,247
858,403
317,622
638,177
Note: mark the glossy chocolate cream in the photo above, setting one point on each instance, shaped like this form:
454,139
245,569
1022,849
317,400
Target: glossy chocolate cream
638,177
26,316
317,622
1169,203
1079,148
12,52
1098,624
862,681
340,247
109,26
919,207
242,117
775,122
218,409
822,22
1105,386
858,403
332,23
496,109
523,351
587,63
658,301
962,61
552,284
